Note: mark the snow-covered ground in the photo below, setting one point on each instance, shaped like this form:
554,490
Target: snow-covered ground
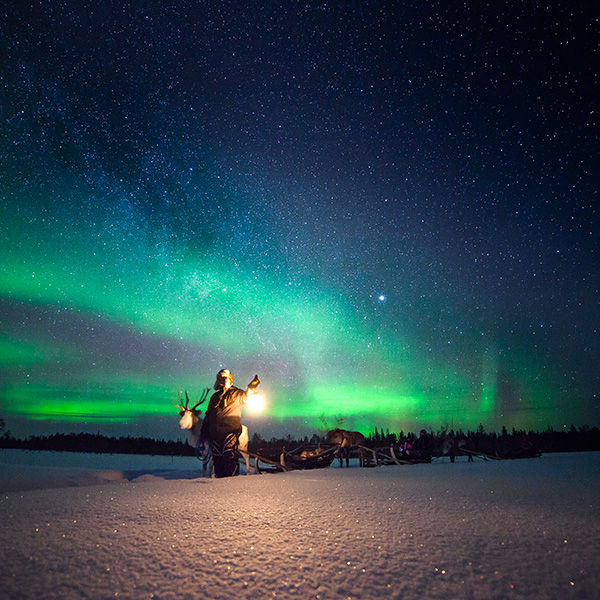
146,527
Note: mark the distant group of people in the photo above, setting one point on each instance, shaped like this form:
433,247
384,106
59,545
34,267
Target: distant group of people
421,450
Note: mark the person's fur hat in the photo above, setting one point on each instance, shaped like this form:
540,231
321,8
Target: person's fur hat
222,376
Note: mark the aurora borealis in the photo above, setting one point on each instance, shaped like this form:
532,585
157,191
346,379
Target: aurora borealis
386,210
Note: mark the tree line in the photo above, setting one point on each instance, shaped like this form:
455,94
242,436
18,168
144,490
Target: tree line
565,440
504,443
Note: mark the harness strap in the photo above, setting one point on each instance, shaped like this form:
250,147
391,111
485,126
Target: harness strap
203,451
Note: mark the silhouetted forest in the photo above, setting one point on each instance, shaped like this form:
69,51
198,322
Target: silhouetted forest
97,443
499,444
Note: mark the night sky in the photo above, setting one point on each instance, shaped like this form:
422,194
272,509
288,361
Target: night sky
388,210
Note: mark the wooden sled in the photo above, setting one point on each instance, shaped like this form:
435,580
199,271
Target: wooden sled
296,460
529,453
388,456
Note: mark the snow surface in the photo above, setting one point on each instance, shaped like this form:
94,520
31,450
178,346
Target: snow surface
147,527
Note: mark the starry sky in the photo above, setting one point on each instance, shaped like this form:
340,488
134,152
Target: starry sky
388,210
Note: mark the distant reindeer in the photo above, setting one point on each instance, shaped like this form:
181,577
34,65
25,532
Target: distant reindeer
347,441
191,419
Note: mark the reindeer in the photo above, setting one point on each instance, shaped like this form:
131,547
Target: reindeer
192,421
347,440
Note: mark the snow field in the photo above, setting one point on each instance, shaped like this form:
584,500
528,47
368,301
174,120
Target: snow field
510,529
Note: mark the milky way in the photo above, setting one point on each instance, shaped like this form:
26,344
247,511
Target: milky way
386,210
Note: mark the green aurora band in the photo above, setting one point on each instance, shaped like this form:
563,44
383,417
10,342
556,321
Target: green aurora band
389,214
319,357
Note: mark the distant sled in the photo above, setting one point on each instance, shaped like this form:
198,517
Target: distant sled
389,456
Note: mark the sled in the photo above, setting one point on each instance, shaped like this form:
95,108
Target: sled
300,459
528,453
389,456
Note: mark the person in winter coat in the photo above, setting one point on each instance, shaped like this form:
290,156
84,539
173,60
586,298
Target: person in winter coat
422,447
222,424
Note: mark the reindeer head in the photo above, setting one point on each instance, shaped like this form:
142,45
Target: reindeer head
335,436
190,415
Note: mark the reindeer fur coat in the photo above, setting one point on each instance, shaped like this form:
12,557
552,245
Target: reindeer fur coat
224,414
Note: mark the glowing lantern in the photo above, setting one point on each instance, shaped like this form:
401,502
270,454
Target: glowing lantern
255,403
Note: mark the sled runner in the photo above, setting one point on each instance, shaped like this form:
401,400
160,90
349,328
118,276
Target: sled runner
530,453
389,456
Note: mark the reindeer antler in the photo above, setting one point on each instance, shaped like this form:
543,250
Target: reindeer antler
182,406
186,405
202,400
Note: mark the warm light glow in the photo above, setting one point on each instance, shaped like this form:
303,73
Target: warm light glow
255,403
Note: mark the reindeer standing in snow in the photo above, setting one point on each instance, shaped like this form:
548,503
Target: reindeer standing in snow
347,441
191,419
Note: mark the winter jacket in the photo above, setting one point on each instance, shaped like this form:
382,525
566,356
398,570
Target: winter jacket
224,414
